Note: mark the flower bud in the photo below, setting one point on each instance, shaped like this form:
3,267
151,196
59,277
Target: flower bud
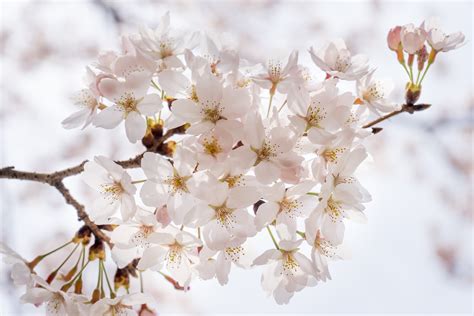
393,38
121,278
83,235
97,250
167,149
422,56
412,38
412,93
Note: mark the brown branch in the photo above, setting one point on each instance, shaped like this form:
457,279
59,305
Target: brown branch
409,108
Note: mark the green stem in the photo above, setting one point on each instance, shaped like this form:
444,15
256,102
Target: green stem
406,70
411,73
302,234
281,107
67,258
112,294
313,193
155,85
138,181
270,104
53,251
273,238
424,74
141,282
78,274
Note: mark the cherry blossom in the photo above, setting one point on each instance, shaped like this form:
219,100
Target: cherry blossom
287,271
178,250
374,93
115,186
129,102
412,38
337,61
437,39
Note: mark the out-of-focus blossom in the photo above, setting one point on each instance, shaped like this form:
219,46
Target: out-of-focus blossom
374,93
337,61
412,38
439,40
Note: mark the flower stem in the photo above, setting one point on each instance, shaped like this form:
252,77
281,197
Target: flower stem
270,104
141,281
138,181
273,238
112,293
155,85
424,74
67,258
281,107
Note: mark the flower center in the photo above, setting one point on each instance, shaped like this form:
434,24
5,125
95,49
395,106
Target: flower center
233,181
373,92
212,113
177,184
112,191
334,209
225,216
274,71
333,154
290,266
211,146
315,116
127,103
234,253
174,255
267,151
343,62
55,305
290,207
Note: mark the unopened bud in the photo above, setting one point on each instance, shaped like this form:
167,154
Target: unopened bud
157,129
83,235
412,93
393,38
121,279
411,58
97,250
422,56
167,149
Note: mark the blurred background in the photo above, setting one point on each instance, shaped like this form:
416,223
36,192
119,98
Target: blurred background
414,255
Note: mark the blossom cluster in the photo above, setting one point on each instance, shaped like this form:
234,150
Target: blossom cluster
258,149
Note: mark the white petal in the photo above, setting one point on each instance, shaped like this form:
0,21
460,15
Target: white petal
108,118
266,214
241,197
152,257
150,104
266,172
135,127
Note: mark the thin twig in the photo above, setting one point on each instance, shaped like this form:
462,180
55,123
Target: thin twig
409,108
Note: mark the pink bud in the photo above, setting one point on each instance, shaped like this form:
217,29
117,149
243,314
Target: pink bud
393,38
412,38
